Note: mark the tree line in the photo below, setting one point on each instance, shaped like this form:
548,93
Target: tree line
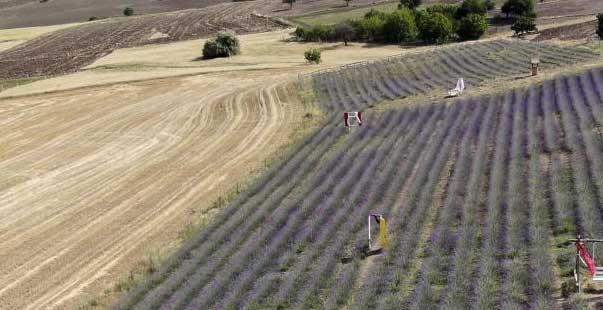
411,23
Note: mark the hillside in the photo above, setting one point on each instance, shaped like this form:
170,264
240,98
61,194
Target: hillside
478,194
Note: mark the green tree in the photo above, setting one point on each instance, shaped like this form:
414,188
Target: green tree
313,55
345,32
411,4
399,26
600,26
471,7
524,24
518,8
128,11
449,10
225,44
369,29
472,27
434,28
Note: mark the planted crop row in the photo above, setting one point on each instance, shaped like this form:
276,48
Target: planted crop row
475,192
356,87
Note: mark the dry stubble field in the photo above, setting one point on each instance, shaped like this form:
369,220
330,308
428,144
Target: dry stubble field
109,167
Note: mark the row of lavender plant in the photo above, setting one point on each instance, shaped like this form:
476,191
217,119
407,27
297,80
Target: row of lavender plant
408,219
490,275
389,204
357,87
314,269
295,169
518,241
296,165
321,228
586,195
279,220
540,215
356,229
443,239
462,276
398,174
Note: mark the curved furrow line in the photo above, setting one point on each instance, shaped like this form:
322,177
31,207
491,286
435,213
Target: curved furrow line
295,168
196,263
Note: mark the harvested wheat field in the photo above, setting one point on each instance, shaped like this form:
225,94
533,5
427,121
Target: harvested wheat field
92,179
101,168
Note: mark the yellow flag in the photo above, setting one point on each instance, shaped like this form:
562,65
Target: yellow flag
383,232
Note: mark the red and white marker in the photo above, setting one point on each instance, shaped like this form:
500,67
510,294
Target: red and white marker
352,119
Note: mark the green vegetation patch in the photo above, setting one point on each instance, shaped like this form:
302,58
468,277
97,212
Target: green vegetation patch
333,18
6,84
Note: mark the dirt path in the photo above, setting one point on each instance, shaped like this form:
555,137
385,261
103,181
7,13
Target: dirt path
90,180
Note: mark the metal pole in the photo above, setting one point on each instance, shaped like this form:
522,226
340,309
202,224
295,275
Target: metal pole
578,270
369,231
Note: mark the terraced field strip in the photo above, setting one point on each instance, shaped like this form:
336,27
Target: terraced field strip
355,87
471,176
91,180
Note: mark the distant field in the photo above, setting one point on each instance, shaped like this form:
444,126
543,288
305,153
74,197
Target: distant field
70,49
28,13
343,14
358,86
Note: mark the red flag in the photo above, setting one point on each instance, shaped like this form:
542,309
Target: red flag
590,263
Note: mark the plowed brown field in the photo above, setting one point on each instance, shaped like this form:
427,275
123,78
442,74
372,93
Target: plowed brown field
70,49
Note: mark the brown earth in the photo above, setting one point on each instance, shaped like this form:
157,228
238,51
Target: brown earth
557,8
70,49
29,13
580,31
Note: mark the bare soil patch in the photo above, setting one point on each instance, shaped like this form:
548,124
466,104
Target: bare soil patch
581,31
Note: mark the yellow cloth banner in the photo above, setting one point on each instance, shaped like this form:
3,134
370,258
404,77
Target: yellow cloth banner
383,232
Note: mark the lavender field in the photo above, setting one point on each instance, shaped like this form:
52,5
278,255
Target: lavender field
478,194
358,86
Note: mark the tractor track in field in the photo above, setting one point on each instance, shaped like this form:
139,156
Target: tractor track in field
91,180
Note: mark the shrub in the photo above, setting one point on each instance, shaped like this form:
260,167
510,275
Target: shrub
600,26
128,11
434,27
449,10
319,33
374,13
411,4
225,44
524,24
471,7
369,29
472,27
300,33
518,8
313,55
345,32
399,26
